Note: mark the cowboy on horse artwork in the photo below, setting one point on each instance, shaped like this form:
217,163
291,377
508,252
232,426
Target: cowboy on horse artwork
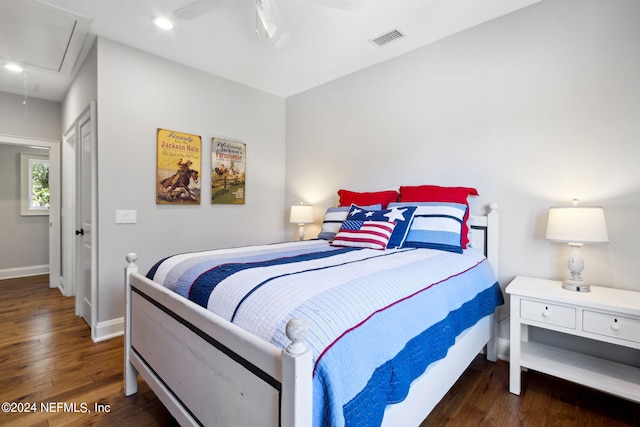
178,168
177,186
184,167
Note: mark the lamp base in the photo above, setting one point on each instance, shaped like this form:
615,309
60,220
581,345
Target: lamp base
576,265
576,286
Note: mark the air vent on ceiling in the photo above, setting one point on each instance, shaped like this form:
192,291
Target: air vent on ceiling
386,38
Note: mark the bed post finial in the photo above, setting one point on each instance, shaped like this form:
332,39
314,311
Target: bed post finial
297,332
297,372
493,207
131,258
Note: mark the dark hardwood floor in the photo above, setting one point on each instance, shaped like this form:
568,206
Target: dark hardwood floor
481,398
50,366
47,358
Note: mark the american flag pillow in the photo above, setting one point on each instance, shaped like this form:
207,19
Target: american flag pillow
401,216
333,219
364,234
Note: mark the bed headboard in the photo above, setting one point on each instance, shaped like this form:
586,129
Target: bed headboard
484,234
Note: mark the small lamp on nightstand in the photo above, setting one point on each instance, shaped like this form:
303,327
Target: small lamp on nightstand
576,225
301,215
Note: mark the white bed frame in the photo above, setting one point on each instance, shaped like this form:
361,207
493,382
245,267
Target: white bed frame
208,371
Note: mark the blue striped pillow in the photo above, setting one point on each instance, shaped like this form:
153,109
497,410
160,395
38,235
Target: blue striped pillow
436,225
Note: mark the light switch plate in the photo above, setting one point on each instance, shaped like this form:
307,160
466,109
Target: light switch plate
126,216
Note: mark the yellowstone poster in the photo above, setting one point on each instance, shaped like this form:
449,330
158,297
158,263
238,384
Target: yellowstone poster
178,168
228,171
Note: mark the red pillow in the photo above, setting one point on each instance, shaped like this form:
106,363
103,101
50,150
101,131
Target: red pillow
364,199
434,193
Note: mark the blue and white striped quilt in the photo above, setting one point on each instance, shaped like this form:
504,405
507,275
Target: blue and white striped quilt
376,319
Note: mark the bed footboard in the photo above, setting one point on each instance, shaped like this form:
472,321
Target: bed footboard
208,371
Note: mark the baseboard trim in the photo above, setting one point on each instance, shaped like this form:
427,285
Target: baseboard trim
33,270
108,329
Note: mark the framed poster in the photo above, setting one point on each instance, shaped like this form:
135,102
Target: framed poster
178,168
228,172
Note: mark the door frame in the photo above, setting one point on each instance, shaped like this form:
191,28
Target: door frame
55,255
72,246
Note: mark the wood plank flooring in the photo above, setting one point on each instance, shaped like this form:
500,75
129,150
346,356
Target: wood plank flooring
47,358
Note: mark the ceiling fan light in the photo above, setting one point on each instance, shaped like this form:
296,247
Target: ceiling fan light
268,22
270,28
273,22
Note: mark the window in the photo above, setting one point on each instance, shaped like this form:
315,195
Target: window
34,170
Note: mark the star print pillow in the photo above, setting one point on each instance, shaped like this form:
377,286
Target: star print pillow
401,216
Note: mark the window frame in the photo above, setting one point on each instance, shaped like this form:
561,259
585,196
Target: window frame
27,161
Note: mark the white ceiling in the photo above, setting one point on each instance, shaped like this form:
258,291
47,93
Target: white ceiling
48,37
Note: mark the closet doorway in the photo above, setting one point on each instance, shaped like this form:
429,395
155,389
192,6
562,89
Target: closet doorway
79,223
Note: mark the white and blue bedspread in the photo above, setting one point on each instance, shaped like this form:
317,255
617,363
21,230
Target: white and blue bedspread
376,319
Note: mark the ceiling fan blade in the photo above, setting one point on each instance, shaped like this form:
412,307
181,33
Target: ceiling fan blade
340,4
196,9
273,22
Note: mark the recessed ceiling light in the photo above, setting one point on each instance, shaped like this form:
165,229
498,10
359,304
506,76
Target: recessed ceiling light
163,23
14,67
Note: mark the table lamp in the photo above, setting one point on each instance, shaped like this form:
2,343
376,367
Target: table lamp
576,225
301,215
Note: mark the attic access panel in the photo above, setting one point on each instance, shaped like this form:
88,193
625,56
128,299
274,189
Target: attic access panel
35,34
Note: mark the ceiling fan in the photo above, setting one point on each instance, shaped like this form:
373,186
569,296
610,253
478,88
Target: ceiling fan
266,10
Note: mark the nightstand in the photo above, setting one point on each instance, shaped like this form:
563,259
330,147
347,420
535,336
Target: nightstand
604,314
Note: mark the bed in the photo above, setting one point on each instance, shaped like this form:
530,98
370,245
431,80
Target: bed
259,363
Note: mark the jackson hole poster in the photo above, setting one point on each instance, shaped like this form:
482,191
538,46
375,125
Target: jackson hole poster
178,169
228,171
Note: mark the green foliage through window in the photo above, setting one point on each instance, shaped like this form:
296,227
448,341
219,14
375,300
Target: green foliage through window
34,184
39,184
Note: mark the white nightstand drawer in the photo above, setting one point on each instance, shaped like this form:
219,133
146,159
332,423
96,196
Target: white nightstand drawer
611,326
548,313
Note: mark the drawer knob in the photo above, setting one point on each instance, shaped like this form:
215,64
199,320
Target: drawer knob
546,313
615,325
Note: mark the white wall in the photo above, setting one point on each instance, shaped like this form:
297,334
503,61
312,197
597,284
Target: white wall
532,109
39,118
139,93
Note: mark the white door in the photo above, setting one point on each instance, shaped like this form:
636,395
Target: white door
85,218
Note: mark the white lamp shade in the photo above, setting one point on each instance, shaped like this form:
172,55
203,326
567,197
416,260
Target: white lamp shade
577,224
301,214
